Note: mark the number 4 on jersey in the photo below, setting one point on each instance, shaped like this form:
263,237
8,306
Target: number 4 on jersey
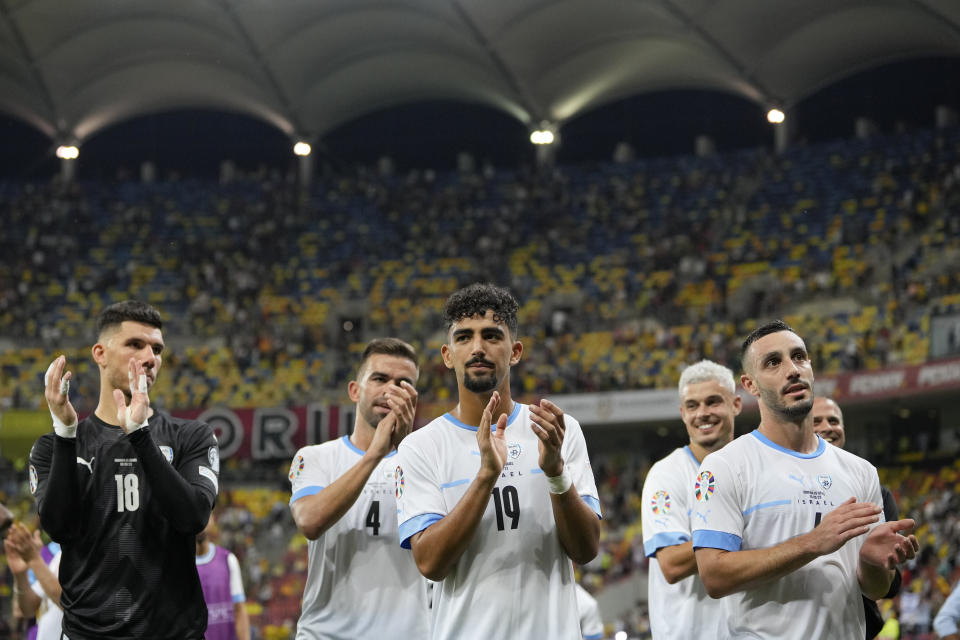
373,517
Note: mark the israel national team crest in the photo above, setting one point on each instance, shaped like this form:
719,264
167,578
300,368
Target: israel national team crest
213,455
296,468
704,486
167,452
398,480
33,479
660,503
825,481
514,451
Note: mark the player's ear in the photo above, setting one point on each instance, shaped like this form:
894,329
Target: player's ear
749,384
517,351
737,404
99,354
446,355
353,390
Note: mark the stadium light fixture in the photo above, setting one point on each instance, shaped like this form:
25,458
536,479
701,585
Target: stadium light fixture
542,136
302,149
776,116
70,152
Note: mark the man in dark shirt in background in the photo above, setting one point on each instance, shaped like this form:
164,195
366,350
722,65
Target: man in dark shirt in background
124,492
828,424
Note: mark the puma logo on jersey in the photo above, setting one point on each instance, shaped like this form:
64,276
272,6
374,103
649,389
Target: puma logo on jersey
89,464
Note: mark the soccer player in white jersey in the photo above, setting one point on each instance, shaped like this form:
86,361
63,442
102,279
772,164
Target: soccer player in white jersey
785,525
359,583
496,498
678,602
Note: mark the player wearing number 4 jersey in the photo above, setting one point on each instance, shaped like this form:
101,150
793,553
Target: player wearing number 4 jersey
495,498
124,492
359,583
784,525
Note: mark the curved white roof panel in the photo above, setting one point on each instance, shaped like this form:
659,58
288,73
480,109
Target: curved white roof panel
306,66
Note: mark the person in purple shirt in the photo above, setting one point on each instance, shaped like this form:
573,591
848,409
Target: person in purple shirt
219,572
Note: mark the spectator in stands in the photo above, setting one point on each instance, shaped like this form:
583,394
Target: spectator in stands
945,624
37,595
679,604
344,503
222,583
828,424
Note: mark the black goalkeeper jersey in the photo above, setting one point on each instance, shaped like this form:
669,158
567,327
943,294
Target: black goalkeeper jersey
126,510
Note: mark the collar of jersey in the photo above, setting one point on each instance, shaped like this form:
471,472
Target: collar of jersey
208,556
356,449
693,457
462,425
821,446
116,427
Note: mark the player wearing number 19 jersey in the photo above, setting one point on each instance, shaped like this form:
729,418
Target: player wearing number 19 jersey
495,497
360,584
514,564
125,502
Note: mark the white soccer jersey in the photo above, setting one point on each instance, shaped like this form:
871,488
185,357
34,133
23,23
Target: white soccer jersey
754,494
359,583
514,580
682,610
49,615
591,624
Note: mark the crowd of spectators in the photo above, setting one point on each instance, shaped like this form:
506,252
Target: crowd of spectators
626,271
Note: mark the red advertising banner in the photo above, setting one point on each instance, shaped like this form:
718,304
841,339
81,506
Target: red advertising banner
273,433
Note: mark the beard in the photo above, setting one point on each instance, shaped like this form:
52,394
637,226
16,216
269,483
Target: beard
796,411
480,384
371,416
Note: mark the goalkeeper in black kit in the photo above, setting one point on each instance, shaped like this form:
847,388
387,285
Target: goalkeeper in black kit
125,492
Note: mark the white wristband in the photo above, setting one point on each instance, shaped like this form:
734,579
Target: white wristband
561,483
130,427
63,430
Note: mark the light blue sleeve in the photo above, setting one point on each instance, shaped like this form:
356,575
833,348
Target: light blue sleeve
949,615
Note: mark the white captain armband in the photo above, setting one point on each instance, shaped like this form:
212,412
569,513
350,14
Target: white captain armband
208,473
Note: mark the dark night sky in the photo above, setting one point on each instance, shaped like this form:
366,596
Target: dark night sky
431,134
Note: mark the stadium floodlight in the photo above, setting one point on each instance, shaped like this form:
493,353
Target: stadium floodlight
542,136
302,148
65,152
776,116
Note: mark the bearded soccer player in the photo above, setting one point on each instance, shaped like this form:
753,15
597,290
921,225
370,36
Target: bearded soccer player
495,497
785,525
679,605
360,584
125,491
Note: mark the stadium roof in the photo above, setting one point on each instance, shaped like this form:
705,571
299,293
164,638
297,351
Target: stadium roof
73,68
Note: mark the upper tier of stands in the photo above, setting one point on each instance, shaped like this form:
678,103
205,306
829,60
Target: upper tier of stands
625,272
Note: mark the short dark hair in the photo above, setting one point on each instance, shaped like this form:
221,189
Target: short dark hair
476,299
774,326
390,347
132,310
